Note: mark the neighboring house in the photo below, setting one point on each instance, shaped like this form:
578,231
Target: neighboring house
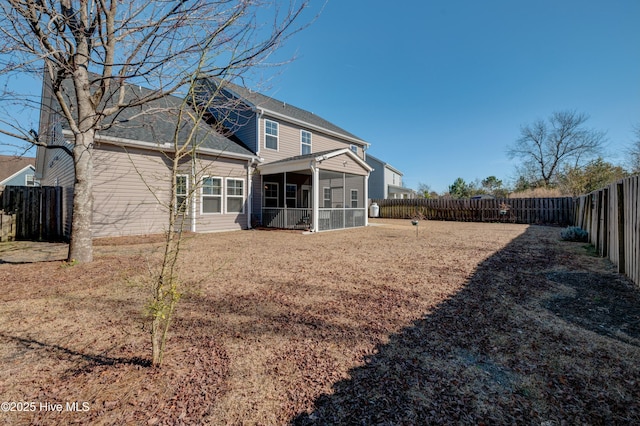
259,161
18,171
386,181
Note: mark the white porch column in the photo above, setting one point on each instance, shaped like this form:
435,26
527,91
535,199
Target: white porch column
315,186
249,194
366,200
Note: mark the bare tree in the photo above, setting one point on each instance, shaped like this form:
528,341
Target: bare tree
101,45
546,146
633,153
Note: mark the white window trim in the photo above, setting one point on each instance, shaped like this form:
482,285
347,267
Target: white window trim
277,197
302,144
227,196
203,195
33,180
353,148
351,200
185,195
324,198
294,198
277,136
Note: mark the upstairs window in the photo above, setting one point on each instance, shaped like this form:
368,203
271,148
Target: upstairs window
305,142
271,134
211,195
354,149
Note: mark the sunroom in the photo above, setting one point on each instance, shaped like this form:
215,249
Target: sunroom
317,192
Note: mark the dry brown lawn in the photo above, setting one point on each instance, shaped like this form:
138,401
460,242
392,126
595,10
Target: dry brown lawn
463,323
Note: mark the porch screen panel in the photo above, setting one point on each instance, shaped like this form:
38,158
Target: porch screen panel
354,184
335,182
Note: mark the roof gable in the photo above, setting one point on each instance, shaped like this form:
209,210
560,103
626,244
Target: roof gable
155,123
300,162
11,166
283,110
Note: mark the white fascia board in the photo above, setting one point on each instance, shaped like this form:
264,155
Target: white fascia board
350,154
285,166
168,147
393,169
312,126
385,164
22,170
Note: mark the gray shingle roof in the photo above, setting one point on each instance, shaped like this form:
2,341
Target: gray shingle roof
156,122
11,164
271,104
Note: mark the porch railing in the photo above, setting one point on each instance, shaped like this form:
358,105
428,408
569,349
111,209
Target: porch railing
286,218
340,218
328,219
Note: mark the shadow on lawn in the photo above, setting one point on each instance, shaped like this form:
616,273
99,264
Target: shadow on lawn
68,354
496,353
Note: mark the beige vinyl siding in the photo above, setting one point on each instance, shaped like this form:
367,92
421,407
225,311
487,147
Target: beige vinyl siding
343,163
131,191
289,144
132,188
222,168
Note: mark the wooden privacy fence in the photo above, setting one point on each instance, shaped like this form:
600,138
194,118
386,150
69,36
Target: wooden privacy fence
611,215
31,213
550,211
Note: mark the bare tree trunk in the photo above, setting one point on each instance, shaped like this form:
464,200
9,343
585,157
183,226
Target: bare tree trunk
81,244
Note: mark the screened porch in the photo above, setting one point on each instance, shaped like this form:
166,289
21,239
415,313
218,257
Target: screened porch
291,200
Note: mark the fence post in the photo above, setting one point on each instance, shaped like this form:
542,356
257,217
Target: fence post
605,223
621,239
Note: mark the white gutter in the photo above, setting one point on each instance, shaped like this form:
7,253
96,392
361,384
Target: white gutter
168,147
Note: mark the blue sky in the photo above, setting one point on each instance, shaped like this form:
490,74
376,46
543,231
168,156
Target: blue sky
440,88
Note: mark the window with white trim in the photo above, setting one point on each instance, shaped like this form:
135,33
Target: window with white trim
354,148
305,142
235,195
211,195
30,180
271,134
182,191
291,192
326,197
354,198
271,194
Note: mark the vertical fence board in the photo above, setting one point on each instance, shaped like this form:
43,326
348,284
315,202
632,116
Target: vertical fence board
557,211
37,212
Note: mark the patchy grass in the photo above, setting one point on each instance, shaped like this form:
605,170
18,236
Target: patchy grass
464,323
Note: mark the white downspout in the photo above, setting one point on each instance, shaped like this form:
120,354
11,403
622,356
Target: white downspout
259,115
249,193
193,201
